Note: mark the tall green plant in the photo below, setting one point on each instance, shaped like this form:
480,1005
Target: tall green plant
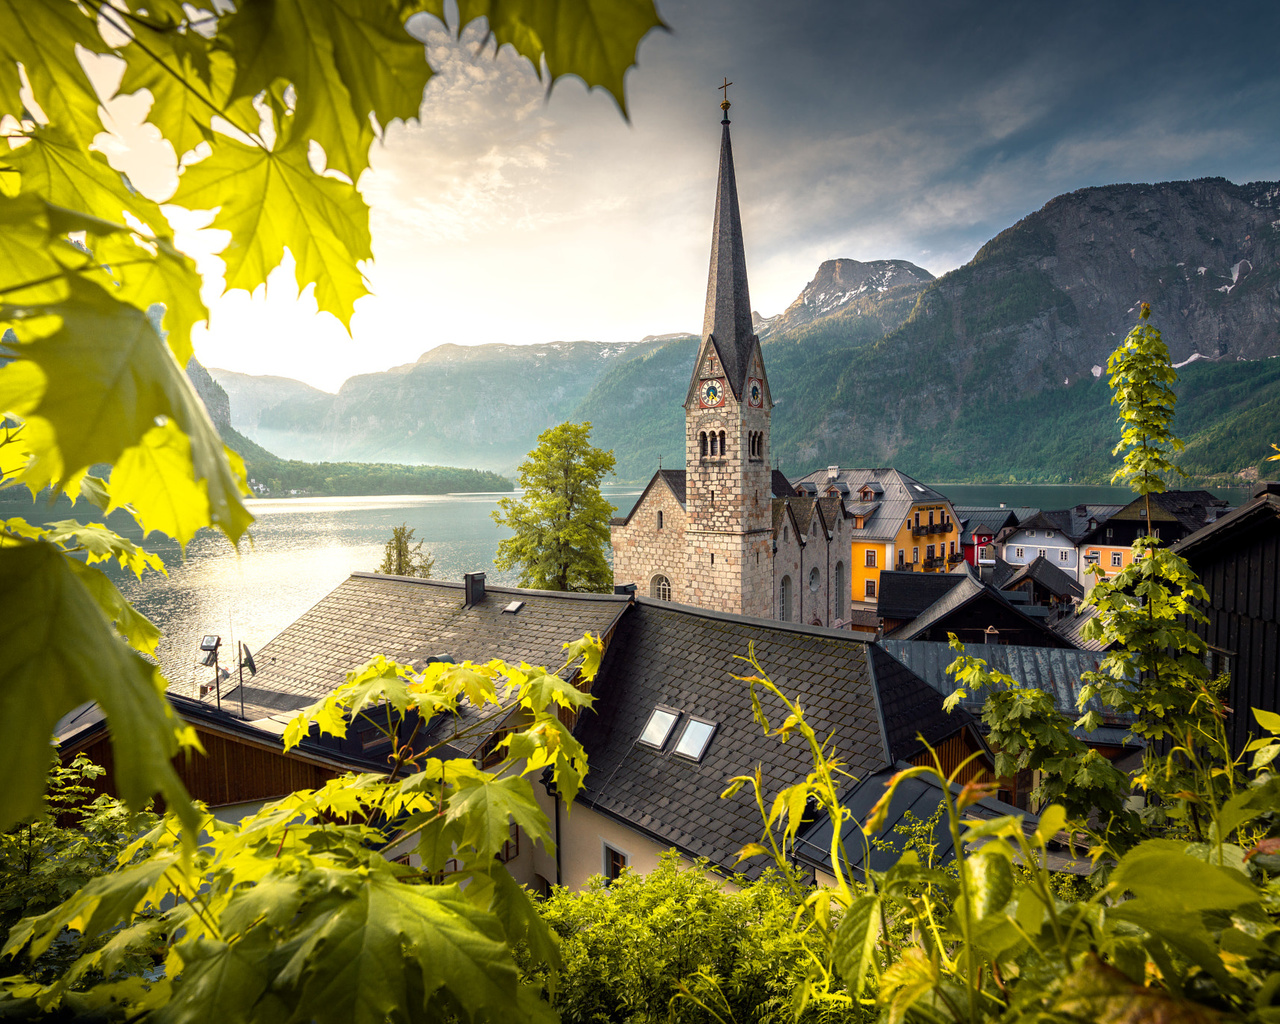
1154,667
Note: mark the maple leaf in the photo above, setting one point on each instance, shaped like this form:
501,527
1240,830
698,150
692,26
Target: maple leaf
270,200
43,37
100,382
57,652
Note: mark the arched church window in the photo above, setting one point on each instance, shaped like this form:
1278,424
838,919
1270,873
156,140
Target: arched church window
839,585
659,519
660,587
723,449
784,602
815,580
715,450
702,444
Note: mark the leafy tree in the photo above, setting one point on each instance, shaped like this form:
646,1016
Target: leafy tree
562,523
667,946
402,557
271,108
299,912
78,836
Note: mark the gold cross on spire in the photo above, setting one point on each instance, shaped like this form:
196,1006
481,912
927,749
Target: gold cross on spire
725,105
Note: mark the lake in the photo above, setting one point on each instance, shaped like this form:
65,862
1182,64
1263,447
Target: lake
304,547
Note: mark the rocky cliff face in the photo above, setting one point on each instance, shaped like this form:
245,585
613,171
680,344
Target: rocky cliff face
1041,306
480,406
847,285
988,372
214,398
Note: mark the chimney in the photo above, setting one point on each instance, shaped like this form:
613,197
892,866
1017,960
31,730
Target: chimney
1266,487
833,472
625,588
473,588
1082,510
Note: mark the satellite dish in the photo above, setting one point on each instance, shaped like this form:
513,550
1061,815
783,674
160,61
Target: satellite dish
246,660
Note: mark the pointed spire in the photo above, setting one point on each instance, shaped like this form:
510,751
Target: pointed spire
728,314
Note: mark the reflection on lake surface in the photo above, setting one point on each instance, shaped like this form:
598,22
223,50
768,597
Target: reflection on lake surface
304,547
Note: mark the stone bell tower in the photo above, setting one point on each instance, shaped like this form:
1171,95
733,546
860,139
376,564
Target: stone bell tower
729,549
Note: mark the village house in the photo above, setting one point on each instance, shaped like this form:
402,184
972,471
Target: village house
1056,536
898,523
1107,543
981,531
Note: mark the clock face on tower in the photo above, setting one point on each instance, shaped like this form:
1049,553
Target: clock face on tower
711,393
755,393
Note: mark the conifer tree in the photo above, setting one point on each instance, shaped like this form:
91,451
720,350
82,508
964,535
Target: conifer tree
402,557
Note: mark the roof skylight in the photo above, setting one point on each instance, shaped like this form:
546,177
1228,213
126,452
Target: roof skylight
695,738
658,728
513,607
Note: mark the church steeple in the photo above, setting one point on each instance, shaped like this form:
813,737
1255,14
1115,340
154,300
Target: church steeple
727,319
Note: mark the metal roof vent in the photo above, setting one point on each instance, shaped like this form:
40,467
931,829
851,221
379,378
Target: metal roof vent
473,588
513,607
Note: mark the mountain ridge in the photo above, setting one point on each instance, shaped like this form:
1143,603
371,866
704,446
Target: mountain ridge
878,362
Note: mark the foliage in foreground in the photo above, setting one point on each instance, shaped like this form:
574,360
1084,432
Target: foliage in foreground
303,911
676,946
270,108
561,523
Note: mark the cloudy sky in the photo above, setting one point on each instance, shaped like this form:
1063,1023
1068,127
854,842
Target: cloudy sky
868,130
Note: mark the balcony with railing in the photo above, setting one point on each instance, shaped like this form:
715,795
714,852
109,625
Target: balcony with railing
934,563
930,528
954,557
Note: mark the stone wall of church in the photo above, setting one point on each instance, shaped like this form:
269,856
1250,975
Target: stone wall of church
643,550
824,598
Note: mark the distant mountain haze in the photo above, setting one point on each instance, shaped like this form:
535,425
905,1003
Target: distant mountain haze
995,370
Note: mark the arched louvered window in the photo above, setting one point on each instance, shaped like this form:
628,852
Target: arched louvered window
660,587
702,444
659,519
784,599
723,448
839,585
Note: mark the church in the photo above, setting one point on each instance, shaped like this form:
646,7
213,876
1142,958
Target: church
727,533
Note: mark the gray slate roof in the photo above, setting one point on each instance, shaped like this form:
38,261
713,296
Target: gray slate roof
966,591
685,658
413,620
982,519
1055,671
920,795
1048,576
1071,627
885,516
904,595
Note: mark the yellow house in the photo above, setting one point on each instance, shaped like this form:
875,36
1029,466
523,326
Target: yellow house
898,523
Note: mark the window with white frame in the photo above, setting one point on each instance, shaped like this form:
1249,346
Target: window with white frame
1017,552
871,588
871,558
1117,560
1062,555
